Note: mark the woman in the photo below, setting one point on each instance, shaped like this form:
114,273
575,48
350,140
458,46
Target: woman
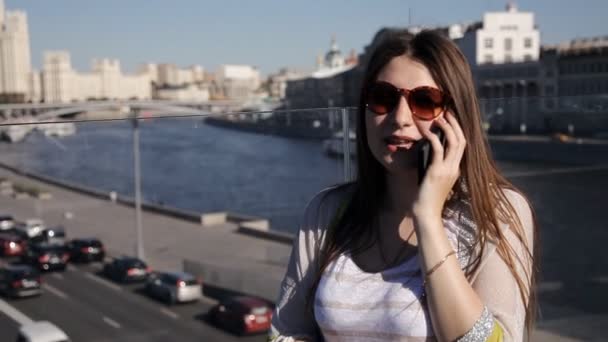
447,257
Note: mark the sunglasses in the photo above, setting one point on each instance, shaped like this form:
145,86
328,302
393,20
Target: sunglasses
426,103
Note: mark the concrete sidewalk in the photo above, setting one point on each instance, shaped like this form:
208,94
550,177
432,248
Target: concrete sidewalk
169,241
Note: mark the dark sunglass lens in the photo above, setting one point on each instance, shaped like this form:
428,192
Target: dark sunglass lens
381,98
427,103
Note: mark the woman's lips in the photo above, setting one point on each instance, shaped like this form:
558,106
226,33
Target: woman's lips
394,148
395,143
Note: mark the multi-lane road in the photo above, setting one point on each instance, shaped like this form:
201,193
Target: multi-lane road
88,307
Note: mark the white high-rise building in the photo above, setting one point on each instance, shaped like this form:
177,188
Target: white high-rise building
151,69
169,75
15,61
105,81
502,37
57,76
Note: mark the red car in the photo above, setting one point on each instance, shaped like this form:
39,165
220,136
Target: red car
12,244
242,315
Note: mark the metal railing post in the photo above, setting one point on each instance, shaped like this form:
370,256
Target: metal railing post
346,144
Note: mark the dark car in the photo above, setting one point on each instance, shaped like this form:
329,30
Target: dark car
46,256
242,315
86,250
11,244
126,269
53,235
19,281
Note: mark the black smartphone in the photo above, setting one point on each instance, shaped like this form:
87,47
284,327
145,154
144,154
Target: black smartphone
425,153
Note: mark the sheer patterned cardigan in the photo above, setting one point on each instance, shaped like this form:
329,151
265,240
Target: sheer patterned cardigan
492,281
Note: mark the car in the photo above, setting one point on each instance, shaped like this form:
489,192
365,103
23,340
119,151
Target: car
126,269
242,315
86,250
11,244
20,281
41,331
47,257
174,287
32,227
6,222
54,235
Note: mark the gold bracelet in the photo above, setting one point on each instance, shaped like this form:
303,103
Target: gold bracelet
434,268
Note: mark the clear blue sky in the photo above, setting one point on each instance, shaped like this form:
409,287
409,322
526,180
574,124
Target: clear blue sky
265,33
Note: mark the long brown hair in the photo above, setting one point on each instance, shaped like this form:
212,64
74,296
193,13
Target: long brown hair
484,183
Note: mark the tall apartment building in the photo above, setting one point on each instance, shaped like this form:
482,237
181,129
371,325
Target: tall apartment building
15,61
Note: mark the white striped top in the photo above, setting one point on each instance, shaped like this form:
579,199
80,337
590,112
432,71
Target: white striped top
353,305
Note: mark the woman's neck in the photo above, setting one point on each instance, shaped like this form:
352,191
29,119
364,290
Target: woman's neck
401,191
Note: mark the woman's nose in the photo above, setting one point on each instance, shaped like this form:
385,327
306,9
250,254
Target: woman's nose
402,115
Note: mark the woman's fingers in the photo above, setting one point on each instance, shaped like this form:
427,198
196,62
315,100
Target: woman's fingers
456,125
455,139
452,139
438,150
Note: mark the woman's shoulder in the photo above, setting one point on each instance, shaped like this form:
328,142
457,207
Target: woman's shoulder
523,211
517,199
324,206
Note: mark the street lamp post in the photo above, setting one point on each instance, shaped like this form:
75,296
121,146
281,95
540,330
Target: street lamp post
524,125
139,242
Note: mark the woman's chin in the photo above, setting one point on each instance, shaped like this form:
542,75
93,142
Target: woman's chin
400,163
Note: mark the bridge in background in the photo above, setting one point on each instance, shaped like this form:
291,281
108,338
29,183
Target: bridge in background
42,112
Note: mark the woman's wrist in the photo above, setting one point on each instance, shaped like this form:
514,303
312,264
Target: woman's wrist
426,218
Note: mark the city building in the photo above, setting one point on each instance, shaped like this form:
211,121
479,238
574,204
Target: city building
236,82
277,83
57,75
578,67
502,37
15,61
105,81
523,84
328,86
151,69
167,74
575,85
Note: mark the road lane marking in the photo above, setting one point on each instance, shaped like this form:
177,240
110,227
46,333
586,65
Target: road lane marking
72,268
57,275
102,281
15,314
111,322
169,313
555,171
55,291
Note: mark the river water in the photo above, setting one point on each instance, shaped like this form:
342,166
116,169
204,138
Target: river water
188,164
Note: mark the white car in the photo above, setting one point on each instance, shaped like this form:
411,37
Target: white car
174,287
6,222
41,331
33,227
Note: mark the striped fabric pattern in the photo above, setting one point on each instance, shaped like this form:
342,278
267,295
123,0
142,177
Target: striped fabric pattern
353,305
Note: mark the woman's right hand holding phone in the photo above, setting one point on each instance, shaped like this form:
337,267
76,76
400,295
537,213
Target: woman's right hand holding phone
444,168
